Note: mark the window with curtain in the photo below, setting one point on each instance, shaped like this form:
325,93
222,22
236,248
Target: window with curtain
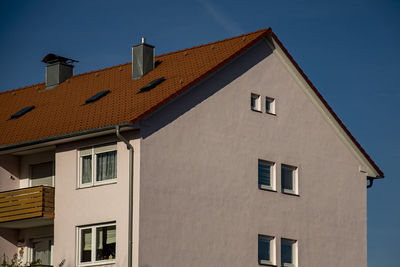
98,165
97,244
41,250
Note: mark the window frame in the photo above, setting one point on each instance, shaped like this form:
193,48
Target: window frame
93,229
270,102
294,245
295,179
272,165
272,250
257,102
93,151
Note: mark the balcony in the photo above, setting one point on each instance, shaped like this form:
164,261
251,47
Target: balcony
27,207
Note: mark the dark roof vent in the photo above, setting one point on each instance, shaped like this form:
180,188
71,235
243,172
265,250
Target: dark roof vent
151,85
21,112
97,97
58,69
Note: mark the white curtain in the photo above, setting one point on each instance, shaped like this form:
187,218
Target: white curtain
86,169
106,166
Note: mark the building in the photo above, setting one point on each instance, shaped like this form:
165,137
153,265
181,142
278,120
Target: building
223,154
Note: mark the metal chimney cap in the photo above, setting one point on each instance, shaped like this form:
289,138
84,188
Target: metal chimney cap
143,40
52,58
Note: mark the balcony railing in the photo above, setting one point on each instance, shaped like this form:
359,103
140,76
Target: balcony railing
27,203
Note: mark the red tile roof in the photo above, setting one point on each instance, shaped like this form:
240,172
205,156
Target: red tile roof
60,111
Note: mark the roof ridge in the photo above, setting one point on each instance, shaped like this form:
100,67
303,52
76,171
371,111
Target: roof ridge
174,52
212,43
127,63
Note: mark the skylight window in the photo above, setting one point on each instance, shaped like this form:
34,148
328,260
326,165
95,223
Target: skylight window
97,97
151,85
21,112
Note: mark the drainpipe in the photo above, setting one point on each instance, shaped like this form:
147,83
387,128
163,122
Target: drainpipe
371,182
130,227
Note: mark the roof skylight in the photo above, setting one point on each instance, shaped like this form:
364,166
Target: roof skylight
97,97
151,85
21,112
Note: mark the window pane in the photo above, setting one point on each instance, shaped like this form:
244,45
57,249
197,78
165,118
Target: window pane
105,243
86,245
264,248
86,162
253,102
41,251
286,251
106,166
287,178
268,105
264,173
42,174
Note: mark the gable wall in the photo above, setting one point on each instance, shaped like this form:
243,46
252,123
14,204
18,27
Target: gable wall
200,204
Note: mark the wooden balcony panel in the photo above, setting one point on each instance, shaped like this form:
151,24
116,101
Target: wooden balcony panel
27,203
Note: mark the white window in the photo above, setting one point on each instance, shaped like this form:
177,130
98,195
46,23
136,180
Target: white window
255,102
288,253
289,179
270,105
266,250
266,175
96,244
97,165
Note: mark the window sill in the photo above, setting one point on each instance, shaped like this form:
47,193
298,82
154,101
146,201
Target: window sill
97,263
291,193
114,181
256,110
266,264
270,113
266,188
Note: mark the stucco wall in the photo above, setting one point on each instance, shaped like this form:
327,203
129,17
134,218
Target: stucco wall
86,206
9,172
9,180
200,204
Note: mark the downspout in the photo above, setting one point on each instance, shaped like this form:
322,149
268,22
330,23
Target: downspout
371,181
130,227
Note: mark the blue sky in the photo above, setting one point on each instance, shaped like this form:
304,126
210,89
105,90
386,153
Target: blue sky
349,49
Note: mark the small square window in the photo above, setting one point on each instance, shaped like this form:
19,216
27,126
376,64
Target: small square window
266,175
266,250
97,244
97,165
288,253
255,102
270,105
289,179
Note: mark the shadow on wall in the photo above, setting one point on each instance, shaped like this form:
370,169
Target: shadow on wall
10,236
10,164
199,93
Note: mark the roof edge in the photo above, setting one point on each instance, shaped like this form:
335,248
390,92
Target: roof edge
325,103
62,136
263,34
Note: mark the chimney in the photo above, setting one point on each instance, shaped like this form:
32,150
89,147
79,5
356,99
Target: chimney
58,69
142,59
